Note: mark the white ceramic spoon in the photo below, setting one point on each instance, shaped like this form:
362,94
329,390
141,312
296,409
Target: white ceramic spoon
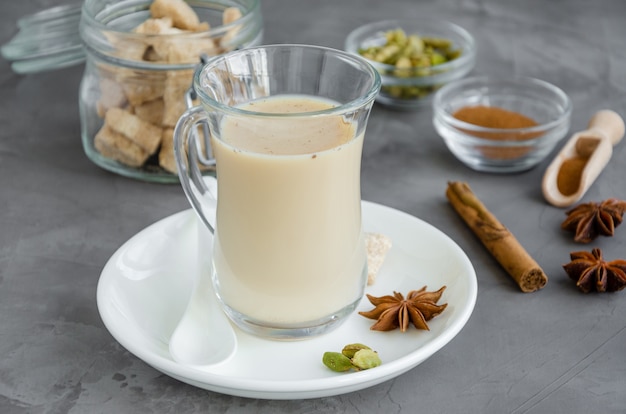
605,129
203,336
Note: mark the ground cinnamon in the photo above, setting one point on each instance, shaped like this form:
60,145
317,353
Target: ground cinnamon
498,118
496,238
493,117
570,174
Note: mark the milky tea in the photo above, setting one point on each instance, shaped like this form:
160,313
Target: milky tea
288,247
286,124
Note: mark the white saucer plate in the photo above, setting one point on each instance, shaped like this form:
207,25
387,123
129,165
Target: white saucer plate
144,288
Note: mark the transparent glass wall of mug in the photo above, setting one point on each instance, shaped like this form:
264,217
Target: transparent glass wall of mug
287,127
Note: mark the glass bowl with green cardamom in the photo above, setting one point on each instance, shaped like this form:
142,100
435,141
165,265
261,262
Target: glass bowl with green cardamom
414,57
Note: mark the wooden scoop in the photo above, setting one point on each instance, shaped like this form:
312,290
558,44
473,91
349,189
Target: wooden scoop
592,148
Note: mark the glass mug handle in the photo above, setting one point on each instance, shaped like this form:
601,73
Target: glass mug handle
187,153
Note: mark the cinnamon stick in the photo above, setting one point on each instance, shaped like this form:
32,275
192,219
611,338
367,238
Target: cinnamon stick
496,237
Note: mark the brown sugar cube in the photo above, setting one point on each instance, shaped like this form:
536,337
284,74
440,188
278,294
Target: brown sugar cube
181,13
132,50
125,48
176,84
166,153
157,46
141,86
142,133
230,15
111,96
116,146
152,55
226,42
377,246
161,45
151,111
155,25
189,50
202,27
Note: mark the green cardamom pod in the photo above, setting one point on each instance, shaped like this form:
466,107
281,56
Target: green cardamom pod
366,359
337,361
351,349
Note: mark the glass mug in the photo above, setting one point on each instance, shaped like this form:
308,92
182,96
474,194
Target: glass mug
286,124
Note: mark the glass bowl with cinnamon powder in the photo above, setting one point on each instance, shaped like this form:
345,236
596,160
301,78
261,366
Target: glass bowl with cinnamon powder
501,125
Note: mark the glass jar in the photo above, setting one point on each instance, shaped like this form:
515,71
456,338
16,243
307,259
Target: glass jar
138,69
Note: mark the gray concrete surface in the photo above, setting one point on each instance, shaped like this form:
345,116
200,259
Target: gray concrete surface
552,351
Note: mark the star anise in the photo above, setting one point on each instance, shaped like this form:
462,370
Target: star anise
589,220
396,311
591,272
